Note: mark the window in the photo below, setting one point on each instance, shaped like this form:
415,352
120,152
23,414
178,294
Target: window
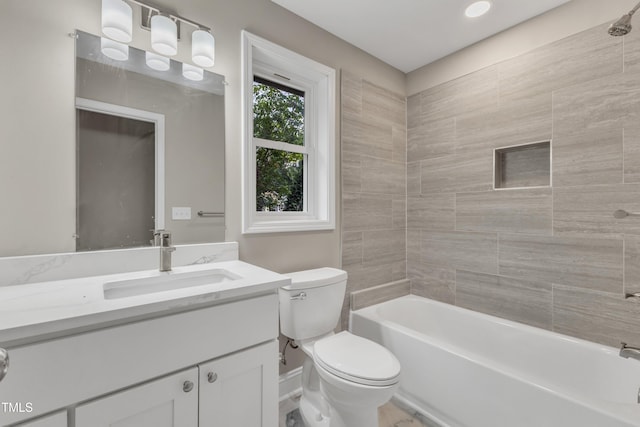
289,133
278,133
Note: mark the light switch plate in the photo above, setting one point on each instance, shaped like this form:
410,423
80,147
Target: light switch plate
180,213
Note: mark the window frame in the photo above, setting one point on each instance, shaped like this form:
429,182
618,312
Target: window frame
272,62
308,150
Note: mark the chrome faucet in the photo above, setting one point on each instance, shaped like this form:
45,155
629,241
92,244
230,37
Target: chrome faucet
162,239
629,352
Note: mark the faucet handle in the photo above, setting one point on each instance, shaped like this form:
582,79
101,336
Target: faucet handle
165,235
161,237
156,236
4,363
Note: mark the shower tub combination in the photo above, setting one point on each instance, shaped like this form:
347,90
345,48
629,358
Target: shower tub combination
466,369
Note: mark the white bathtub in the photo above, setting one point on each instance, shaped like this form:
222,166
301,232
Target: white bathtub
467,369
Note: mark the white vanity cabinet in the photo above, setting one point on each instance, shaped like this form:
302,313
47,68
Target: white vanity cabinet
59,419
210,366
171,401
236,390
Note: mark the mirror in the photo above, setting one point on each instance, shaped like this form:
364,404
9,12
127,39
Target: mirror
187,120
117,201
40,170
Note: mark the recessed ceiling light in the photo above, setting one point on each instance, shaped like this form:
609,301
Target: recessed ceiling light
478,8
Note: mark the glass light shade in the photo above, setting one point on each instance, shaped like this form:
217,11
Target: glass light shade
203,48
157,62
192,73
164,35
114,50
117,20
478,8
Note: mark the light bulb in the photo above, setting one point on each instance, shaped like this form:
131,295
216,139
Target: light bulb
117,20
157,62
114,50
478,8
164,35
203,48
192,73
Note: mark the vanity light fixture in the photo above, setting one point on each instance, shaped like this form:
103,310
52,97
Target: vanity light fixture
203,48
157,62
477,9
117,20
192,72
113,49
164,35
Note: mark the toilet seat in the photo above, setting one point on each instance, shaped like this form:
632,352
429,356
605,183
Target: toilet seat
357,359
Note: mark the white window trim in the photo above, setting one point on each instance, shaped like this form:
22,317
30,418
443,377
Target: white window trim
261,57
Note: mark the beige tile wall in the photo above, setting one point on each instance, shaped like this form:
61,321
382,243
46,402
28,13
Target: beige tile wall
374,143
553,258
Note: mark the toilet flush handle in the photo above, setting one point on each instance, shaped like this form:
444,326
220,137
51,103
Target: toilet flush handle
4,363
300,296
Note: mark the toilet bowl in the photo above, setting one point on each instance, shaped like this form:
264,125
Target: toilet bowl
344,377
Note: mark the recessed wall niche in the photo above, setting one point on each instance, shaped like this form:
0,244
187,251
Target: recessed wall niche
523,166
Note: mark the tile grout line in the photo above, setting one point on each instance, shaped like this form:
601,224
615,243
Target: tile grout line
406,192
553,304
551,171
624,270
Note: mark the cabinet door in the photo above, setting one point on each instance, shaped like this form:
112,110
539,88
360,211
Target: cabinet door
170,401
59,419
241,389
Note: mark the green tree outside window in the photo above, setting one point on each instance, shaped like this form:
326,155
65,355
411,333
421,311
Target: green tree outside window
278,115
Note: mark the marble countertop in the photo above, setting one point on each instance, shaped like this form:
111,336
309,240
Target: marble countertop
45,310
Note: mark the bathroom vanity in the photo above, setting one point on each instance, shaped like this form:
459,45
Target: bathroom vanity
194,346
97,337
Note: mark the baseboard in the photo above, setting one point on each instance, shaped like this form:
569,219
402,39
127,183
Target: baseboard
290,384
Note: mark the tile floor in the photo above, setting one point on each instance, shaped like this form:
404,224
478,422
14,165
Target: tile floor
389,415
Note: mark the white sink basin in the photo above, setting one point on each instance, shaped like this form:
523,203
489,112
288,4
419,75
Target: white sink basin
166,282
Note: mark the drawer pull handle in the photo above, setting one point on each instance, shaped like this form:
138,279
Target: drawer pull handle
212,377
4,363
187,386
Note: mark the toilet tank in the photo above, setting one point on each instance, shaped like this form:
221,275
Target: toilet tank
312,304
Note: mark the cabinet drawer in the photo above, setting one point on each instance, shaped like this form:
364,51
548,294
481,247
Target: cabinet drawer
62,372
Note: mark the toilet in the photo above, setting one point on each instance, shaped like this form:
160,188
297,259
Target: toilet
344,377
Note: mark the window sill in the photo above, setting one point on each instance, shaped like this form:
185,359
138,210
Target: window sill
287,225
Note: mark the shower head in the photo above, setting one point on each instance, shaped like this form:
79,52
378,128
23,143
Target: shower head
623,25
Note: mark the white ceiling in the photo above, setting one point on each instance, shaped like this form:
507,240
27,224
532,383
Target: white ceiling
408,34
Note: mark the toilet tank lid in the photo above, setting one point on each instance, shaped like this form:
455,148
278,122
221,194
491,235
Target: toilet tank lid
315,278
